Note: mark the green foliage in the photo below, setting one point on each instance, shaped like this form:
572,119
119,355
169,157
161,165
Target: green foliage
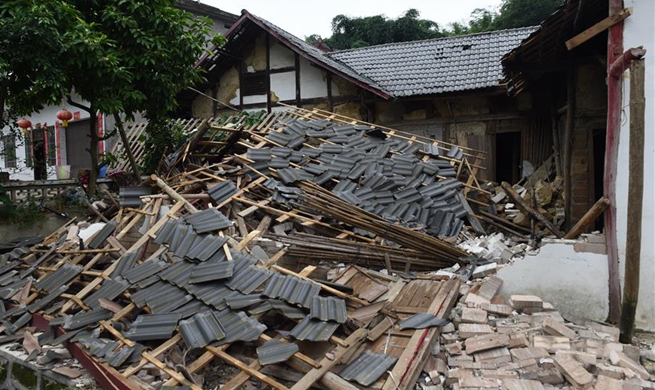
512,14
353,32
22,216
31,47
249,118
163,136
348,32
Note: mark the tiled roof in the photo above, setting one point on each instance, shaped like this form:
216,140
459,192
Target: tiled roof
436,65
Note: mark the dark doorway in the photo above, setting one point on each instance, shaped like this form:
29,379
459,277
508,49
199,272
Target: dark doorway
508,157
599,170
77,145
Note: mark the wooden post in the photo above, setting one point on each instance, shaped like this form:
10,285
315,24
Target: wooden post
635,200
590,216
525,206
568,146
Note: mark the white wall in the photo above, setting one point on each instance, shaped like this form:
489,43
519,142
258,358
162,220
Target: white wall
639,30
575,282
48,115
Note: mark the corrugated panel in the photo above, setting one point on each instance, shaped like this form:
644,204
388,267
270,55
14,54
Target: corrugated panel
100,237
117,358
249,279
275,351
209,220
201,329
422,321
291,289
9,291
313,330
222,191
61,276
207,272
110,290
153,327
367,368
329,309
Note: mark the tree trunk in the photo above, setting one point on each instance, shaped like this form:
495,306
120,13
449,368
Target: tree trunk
93,150
128,149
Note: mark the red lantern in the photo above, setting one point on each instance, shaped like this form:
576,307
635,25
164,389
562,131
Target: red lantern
24,124
64,116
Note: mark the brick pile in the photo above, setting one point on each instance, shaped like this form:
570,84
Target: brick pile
524,343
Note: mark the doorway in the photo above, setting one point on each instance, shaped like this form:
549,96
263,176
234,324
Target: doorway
77,146
508,157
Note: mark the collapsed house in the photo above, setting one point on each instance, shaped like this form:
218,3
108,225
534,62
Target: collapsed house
294,250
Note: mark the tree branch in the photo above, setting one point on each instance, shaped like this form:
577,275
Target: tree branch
78,105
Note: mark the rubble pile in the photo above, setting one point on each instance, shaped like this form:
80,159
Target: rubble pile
524,343
301,252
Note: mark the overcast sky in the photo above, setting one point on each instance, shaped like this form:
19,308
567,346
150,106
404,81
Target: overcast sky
303,18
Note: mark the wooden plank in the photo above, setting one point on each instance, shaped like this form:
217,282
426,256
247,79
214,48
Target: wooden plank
597,28
353,341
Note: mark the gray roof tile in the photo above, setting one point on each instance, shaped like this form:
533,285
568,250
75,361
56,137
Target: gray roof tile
367,368
313,330
110,289
207,272
238,327
329,309
436,65
201,329
291,289
422,321
153,327
208,220
275,351
102,235
222,191
144,270
61,276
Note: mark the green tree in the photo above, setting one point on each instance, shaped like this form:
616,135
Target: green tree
31,75
524,13
348,32
512,14
121,56
142,51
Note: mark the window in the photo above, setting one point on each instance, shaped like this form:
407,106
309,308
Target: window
254,84
9,150
52,145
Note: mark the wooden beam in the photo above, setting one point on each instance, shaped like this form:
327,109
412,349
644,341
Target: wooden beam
635,199
534,213
247,369
590,216
597,28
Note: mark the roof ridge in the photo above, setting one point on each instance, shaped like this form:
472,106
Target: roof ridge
431,40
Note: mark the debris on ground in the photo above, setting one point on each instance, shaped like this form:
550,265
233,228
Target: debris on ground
304,250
